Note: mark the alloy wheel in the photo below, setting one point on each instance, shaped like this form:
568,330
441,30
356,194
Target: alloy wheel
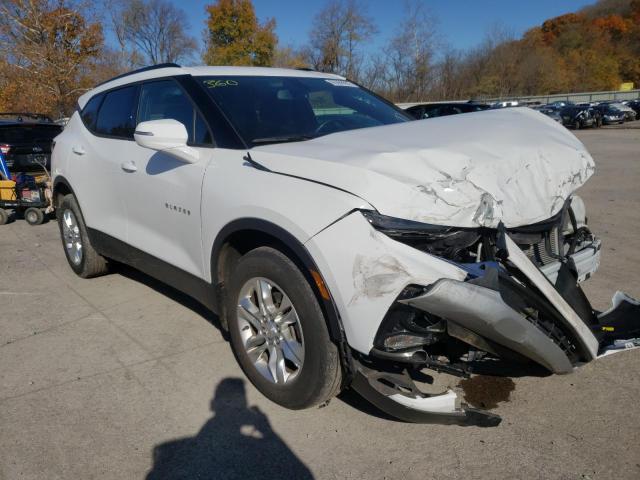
71,237
270,330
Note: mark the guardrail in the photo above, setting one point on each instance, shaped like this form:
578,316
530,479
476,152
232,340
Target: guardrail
572,97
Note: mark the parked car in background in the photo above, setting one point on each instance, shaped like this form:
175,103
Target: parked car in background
629,113
610,114
549,112
597,116
431,110
635,104
506,104
25,141
577,117
560,104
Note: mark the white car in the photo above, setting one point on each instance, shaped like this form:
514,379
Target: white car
340,243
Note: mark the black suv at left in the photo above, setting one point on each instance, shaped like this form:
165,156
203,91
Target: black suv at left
25,141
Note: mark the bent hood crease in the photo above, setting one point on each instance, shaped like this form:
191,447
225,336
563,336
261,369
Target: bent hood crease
513,165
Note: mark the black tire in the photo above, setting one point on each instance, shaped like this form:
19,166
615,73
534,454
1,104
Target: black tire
320,377
91,264
34,216
576,126
4,216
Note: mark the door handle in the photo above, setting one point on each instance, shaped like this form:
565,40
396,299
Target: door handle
78,150
129,166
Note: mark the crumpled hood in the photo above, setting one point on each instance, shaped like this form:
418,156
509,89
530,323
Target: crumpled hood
512,165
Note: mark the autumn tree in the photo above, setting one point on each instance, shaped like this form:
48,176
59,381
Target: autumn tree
289,57
50,50
149,32
339,30
234,36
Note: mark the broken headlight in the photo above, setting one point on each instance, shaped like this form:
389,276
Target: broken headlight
453,243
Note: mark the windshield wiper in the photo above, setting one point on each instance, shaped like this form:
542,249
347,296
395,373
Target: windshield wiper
282,139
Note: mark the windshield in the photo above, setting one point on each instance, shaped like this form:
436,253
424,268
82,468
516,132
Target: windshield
284,109
28,133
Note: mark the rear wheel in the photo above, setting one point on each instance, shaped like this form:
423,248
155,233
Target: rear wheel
34,216
4,216
278,331
82,257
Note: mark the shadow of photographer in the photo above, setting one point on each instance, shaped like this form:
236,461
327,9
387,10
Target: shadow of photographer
237,442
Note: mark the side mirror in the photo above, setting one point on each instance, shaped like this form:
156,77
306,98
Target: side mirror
168,136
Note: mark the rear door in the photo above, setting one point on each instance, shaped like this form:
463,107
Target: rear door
96,158
164,193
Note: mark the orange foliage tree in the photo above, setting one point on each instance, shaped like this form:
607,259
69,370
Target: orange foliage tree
50,52
235,37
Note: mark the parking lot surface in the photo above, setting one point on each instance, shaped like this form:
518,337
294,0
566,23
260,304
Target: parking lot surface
119,377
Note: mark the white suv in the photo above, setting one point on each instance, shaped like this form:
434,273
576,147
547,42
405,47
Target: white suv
340,243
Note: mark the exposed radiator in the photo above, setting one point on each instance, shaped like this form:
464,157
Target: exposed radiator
538,252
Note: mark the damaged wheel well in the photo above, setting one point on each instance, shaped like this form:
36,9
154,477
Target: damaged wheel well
242,236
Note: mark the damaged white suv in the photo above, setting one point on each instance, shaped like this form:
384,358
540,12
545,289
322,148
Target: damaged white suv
341,244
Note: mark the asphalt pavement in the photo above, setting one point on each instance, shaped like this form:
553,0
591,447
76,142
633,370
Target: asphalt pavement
120,377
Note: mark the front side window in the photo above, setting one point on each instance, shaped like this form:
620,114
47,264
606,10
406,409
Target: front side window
279,109
165,99
116,117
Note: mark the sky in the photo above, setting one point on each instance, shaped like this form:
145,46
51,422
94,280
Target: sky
461,23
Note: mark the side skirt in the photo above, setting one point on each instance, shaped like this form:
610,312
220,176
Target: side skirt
185,282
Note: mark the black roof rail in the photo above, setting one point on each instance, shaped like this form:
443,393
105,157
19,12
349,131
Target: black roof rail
306,69
139,70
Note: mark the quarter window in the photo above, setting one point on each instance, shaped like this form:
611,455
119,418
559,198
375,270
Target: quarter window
116,117
165,99
90,112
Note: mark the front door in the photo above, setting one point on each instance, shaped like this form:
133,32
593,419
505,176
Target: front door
164,193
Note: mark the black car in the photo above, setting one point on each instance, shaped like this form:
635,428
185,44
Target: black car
628,112
25,141
552,113
610,114
635,105
431,110
577,117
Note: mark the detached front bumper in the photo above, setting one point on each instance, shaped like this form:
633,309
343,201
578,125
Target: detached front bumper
512,309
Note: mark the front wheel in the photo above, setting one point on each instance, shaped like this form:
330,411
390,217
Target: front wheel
278,331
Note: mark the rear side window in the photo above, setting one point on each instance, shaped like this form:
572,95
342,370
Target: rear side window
116,117
165,99
89,113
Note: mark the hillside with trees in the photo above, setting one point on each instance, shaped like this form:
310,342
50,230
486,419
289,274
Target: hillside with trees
51,51
597,48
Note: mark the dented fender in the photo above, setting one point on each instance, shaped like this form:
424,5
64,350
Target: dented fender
365,271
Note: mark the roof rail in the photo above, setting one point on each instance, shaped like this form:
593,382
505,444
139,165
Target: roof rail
139,70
